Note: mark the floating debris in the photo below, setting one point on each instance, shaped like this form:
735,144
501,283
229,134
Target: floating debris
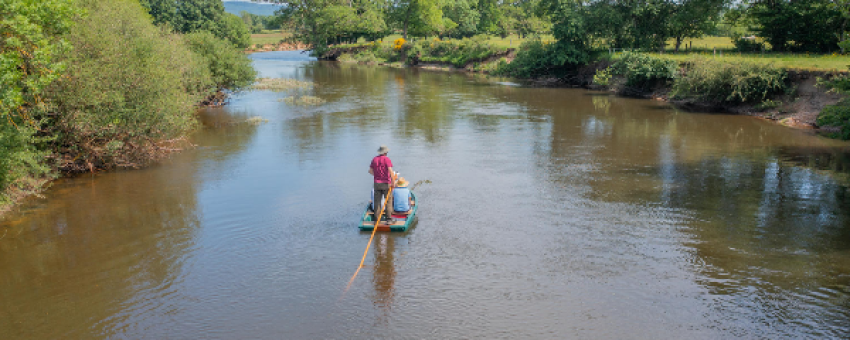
303,100
280,84
256,120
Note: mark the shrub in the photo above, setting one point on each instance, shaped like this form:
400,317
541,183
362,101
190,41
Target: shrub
715,82
128,86
535,58
20,161
641,71
743,44
229,67
30,39
837,115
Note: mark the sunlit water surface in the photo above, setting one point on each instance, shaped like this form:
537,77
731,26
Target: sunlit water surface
550,214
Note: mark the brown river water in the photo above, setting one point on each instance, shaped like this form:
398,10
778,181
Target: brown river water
550,214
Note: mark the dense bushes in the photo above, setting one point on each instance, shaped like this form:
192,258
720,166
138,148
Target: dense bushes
125,89
747,44
228,66
188,16
641,71
29,41
717,82
455,52
837,115
89,84
534,58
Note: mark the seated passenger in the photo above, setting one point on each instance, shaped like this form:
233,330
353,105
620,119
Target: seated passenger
401,196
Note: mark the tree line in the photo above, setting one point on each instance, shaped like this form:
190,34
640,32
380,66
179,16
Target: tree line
784,25
90,84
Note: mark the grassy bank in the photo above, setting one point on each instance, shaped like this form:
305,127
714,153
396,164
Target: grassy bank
269,37
477,53
809,62
777,86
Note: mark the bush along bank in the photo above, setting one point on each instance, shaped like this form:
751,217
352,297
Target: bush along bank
791,97
794,98
473,54
100,86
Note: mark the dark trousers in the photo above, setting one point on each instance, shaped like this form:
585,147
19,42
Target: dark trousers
381,191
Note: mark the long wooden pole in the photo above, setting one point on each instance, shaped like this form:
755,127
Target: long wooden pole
374,229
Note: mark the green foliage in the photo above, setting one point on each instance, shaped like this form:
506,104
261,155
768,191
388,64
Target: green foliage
128,86
491,16
603,77
229,67
466,17
30,41
21,160
187,16
258,23
743,44
837,115
31,38
524,18
844,45
715,82
574,40
808,26
534,58
643,71
324,22
459,53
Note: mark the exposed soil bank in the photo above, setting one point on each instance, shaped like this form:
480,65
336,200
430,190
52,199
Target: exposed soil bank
284,46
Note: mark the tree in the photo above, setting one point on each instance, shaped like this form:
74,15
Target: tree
522,17
464,14
491,16
129,85
692,18
320,22
630,23
574,41
31,34
800,25
187,16
418,17
842,7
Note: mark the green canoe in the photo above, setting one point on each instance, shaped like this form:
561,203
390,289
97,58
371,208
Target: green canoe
401,223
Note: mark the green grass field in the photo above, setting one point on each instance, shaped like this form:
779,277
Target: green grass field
507,42
833,62
270,37
703,47
704,43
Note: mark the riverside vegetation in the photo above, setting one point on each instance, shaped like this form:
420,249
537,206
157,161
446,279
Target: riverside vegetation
585,33
90,85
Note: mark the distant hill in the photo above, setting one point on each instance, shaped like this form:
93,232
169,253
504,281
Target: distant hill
257,8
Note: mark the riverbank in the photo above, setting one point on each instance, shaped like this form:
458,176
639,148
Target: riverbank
635,210
280,46
796,103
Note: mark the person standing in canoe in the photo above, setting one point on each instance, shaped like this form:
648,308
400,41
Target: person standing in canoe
382,169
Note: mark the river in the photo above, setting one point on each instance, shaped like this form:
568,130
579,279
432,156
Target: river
548,214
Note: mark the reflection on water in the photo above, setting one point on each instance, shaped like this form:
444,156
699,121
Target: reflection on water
384,274
550,213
